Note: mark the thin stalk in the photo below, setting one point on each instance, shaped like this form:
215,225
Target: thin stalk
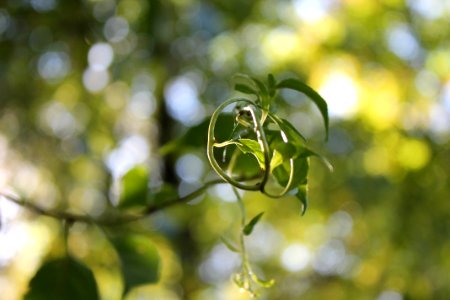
246,273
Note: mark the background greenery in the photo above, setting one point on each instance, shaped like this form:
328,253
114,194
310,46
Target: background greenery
89,89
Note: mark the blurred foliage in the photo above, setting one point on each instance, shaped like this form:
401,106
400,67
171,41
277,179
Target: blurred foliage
91,89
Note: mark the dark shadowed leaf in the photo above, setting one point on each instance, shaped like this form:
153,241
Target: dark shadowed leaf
164,194
244,88
299,86
197,136
139,260
302,195
248,229
272,84
134,186
305,152
63,278
263,93
246,166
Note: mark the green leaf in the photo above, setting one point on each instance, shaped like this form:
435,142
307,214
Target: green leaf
301,168
248,229
292,135
264,94
251,85
306,152
243,88
244,79
277,159
164,194
261,86
231,246
302,195
294,139
252,147
139,260
299,86
63,278
272,83
134,186
247,146
282,151
247,167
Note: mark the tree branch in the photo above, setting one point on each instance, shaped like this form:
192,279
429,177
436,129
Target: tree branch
108,220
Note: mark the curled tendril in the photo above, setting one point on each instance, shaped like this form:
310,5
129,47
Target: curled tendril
249,135
250,115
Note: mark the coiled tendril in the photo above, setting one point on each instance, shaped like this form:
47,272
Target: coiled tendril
281,154
257,122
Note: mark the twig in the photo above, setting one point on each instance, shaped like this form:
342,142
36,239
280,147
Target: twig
107,220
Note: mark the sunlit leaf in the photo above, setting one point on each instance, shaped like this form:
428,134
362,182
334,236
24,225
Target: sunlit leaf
264,283
134,186
231,246
238,280
299,86
247,146
248,229
277,159
252,147
139,260
282,151
63,278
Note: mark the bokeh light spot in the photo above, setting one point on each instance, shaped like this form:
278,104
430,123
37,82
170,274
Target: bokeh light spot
53,65
341,93
295,257
116,29
413,154
312,11
95,80
190,168
100,56
280,45
402,42
182,101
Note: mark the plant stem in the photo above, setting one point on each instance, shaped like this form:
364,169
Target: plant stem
246,269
